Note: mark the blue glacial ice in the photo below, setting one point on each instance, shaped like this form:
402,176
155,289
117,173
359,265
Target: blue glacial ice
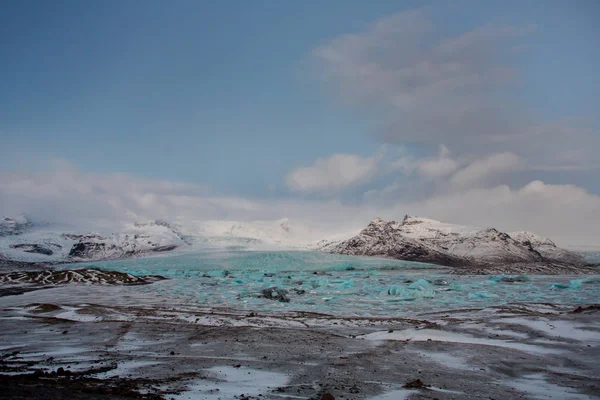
337,284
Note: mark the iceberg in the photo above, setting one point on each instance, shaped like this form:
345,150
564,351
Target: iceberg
421,284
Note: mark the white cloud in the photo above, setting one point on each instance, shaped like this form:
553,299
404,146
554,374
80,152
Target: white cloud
428,167
479,170
566,213
441,87
437,167
459,88
332,174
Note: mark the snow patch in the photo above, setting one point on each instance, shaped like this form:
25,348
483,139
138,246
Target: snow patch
557,329
538,387
423,335
228,382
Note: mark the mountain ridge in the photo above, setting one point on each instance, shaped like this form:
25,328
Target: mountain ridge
469,248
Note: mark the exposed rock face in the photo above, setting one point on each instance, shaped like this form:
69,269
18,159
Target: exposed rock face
33,248
384,239
426,240
96,247
546,248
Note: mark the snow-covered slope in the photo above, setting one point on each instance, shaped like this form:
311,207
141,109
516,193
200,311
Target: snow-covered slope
414,239
384,239
283,232
546,247
30,243
422,239
27,242
14,226
20,240
140,239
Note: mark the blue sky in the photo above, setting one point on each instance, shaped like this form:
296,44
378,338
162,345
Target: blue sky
471,111
210,92
224,93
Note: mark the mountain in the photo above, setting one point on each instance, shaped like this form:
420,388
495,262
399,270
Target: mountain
22,241
14,226
475,249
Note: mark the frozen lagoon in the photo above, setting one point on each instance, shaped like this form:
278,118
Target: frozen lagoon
332,284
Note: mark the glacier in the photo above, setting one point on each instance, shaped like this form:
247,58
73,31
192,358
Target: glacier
234,278
231,263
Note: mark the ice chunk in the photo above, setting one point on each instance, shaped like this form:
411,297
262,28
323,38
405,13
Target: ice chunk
407,294
558,286
421,284
482,295
592,280
575,283
509,278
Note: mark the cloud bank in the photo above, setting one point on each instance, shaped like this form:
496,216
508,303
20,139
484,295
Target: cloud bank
64,194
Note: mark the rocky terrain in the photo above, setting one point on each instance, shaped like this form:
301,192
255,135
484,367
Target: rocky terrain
60,351
471,250
86,276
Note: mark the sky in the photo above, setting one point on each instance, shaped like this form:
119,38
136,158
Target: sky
330,113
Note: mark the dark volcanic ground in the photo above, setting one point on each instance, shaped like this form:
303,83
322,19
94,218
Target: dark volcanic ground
82,351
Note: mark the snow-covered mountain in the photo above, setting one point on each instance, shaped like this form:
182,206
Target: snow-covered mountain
427,240
14,226
22,240
413,239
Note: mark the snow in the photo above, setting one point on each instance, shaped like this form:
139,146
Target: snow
134,239
400,394
72,314
226,382
13,226
423,335
281,233
423,239
531,237
56,241
537,387
126,368
446,359
141,238
557,329
418,227
435,241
